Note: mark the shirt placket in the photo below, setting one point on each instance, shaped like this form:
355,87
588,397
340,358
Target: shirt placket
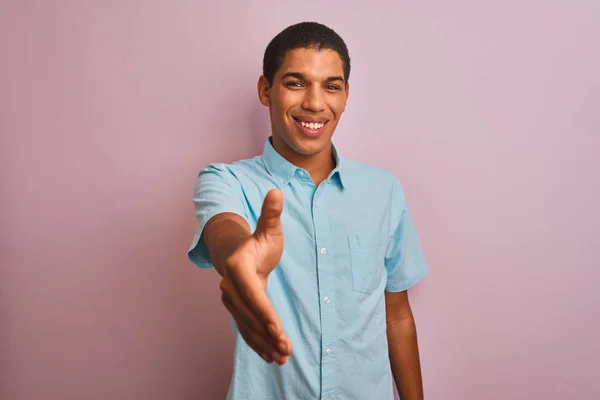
326,285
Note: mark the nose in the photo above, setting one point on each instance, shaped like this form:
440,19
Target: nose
314,100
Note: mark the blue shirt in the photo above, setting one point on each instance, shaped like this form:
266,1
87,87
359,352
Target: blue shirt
346,242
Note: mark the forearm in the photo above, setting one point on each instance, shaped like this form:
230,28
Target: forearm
404,358
223,234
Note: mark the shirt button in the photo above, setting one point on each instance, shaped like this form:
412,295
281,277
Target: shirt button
317,204
323,250
329,351
327,300
325,398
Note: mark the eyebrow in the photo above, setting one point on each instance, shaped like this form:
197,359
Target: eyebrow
298,75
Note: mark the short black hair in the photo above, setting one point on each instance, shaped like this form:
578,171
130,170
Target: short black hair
303,35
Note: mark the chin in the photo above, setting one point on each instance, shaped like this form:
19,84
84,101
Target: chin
310,147
301,144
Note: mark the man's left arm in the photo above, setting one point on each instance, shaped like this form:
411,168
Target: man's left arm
402,344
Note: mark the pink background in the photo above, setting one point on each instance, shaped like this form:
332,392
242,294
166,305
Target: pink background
488,113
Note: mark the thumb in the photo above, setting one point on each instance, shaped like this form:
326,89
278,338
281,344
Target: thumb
269,222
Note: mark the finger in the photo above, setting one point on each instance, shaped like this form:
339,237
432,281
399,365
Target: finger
242,313
265,346
253,293
269,221
253,345
284,344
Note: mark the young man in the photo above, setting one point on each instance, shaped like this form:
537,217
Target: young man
325,316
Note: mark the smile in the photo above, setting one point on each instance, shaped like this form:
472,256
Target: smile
311,128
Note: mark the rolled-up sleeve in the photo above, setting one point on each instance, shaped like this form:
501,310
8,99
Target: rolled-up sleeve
404,261
217,191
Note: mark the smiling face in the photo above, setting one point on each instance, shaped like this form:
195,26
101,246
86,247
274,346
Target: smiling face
306,100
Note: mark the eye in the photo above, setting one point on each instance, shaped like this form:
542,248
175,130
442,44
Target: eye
332,87
294,84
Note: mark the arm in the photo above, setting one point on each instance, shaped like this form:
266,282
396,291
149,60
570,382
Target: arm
223,234
245,260
403,348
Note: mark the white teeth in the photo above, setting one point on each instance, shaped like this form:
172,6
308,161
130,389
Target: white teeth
312,125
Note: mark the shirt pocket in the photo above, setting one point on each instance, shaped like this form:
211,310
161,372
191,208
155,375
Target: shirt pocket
367,259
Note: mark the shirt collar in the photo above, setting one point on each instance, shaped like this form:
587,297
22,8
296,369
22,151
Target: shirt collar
283,170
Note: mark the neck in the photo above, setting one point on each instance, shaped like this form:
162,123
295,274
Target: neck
319,165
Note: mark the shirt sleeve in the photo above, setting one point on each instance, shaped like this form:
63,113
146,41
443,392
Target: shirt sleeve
404,261
217,191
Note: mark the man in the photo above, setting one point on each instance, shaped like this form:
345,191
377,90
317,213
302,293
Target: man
325,316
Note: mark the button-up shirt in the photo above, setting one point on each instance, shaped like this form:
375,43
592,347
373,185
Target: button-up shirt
346,242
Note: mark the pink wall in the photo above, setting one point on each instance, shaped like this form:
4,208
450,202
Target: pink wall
489,114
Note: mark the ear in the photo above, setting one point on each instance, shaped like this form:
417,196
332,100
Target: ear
264,91
347,93
347,90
